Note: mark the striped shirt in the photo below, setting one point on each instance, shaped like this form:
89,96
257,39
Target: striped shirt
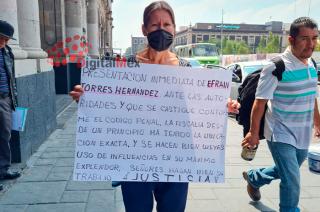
4,83
289,117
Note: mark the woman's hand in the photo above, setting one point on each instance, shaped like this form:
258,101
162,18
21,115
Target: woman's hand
233,106
76,93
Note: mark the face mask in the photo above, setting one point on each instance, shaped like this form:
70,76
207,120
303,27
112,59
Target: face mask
160,40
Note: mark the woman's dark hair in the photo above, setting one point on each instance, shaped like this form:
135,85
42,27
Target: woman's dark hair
157,5
301,22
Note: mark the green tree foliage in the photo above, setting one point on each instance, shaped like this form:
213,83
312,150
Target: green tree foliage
262,45
273,44
215,41
224,42
266,45
318,47
270,45
243,48
231,46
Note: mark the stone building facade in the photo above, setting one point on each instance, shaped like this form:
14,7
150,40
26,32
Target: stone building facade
249,33
52,36
71,30
137,44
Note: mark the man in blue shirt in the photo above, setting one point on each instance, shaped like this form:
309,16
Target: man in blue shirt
7,100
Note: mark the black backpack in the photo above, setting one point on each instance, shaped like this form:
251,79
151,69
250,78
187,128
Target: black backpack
247,91
246,97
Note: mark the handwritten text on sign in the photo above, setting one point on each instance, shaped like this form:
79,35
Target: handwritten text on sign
152,123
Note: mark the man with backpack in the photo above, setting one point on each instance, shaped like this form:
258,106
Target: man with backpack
291,114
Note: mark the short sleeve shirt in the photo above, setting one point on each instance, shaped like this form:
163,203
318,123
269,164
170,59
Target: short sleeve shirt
289,117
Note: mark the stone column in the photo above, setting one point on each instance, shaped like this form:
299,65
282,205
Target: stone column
73,26
29,28
93,28
110,25
84,19
109,32
8,12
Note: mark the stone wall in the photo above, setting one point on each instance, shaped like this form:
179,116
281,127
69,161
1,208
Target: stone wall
37,93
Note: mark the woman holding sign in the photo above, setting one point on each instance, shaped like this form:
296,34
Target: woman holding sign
159,27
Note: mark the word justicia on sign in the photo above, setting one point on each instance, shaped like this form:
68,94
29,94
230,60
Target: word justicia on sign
118,63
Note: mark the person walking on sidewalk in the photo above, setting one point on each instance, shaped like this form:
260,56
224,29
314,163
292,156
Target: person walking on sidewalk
7,100
159,27
291,114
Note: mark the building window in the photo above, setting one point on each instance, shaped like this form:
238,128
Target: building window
199,38
238,38
205,37
257,40
245,39
251,40
193,38
231,37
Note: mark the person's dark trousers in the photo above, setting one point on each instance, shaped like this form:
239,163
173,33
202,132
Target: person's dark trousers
170,197
5,133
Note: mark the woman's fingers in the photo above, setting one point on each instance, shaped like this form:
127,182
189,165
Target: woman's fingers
78,88
76,93
233,106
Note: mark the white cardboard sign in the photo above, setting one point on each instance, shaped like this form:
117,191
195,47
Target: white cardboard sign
151,123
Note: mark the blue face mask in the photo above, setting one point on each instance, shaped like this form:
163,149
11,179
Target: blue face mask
160,40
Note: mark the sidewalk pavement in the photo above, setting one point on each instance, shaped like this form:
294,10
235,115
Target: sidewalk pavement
46,184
